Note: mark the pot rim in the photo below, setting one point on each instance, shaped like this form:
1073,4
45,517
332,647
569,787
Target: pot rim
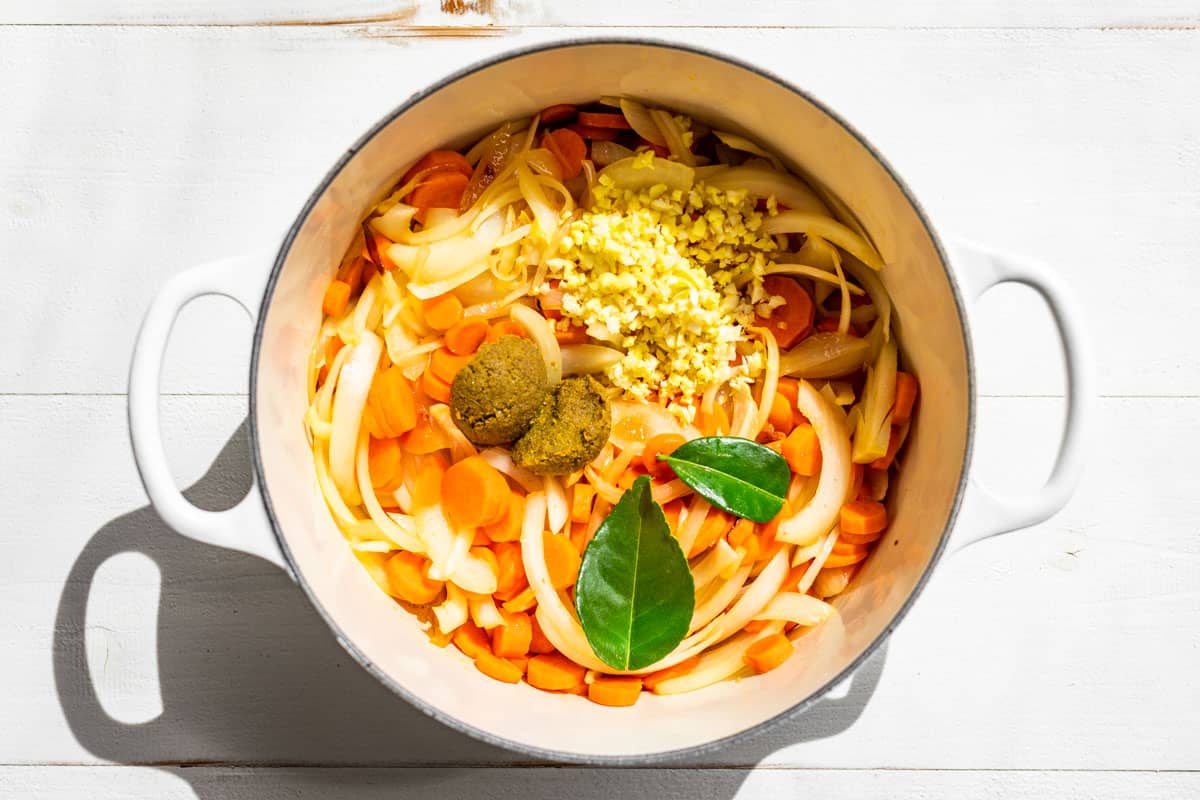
478,733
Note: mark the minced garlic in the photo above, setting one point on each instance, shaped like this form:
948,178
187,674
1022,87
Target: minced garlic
672,278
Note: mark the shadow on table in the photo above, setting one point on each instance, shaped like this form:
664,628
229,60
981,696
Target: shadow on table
249,674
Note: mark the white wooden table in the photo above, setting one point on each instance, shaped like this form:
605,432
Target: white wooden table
139,138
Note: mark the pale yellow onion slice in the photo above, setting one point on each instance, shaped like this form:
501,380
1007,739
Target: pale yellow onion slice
770,379
458,258
713,563
635,423
716,597
558,509
452,612
354,382
628,175
673,136
671,490
542,334
744,419
818,563
586,359
832,582
825,355
396,222
873,430
736,142
460,445
717,664
821,513
689,528
639,119
556,619
801,609
445,546
788,264
502,461
762,182
474,574
484,612
827,228
403,535
545,217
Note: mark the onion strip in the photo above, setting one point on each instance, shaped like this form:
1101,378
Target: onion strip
819,515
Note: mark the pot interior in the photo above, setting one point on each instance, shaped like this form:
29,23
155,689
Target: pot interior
726,95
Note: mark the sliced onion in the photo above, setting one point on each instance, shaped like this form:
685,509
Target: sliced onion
762,182
770,379
713,563
558,510
354,383
784,266
825,355
689,529
402,534
673,136
744,419
542,334
502,461
821,513
671,490
818,562
746,146
484,612
801,609
717,664
449,263
605,153
832,582
827,228
643,125
587,359
396,223
451,613
873,430
634,424
544,162
626,175
460,445
445,546
716,597
474,574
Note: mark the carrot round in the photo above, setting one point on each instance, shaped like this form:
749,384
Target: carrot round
427,485
781,417
790,389
498,668
582,496
715,422
651,681
471,640
768,653
464,337
383,462
562,560
440,190
435,387
554,673
594,134
906,397
513,637
474,493
793,320
409,580
863,516
337,297
662,444
572,334
507,327
802,450
439,161
442,312
510,580
615,691
446,365
849,554
424,438
557,113
595,119
392,404
538,643
859,538
568,148
508,527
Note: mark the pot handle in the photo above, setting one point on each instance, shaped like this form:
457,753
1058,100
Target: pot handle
986,513
244,527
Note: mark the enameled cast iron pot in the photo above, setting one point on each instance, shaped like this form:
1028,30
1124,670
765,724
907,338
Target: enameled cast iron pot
284,518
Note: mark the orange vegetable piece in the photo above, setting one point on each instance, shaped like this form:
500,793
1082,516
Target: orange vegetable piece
424,438
351,273
781,417
510,578
507,327
858,538
716,525
612,690
557,113
671,511
714,423
538,643
383,462
408,578
906,397
508,527
498,668
392,405
768,653
427,485
435,387
594,134
792,582
596,119
337,297
850,554
439,161
474,493
885,460
513,637
582,496
662,444
573,334
442,312
569,148
446,365
802,450
554,673
442,189
793,320
465,336
650,682
562,560
471,640
863,516
790,389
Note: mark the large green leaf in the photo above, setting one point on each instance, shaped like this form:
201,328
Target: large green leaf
734,474
635,594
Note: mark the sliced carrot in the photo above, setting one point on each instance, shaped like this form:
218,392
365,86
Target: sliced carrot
662,444
435,387
381,249
579,536
802,450
392,404
770,529
596,119
442,312
715,422
781,416
756,625
446,365
906,397
562,560
650,682
498,668
474,493
513,637
594,134
507,327
792,582
464,337
352,273
671,511
715,525
742,530
471,640
790,389
857,473
659,150
863,516
859,538
615,691
510,580
568,148
525,600
885,460
582,495
508,527
538,643
337,297
427,486
554,673
438,161
408,577
793,320
557,113
424,438
572,334
383,462
768,653
851,554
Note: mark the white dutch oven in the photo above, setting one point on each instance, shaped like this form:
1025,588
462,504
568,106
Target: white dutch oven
284,518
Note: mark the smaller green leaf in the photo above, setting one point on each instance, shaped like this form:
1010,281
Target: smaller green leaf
734,474
635,595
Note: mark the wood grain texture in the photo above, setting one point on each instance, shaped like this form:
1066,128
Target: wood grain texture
1083,630
1082,148
582,13
208,783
